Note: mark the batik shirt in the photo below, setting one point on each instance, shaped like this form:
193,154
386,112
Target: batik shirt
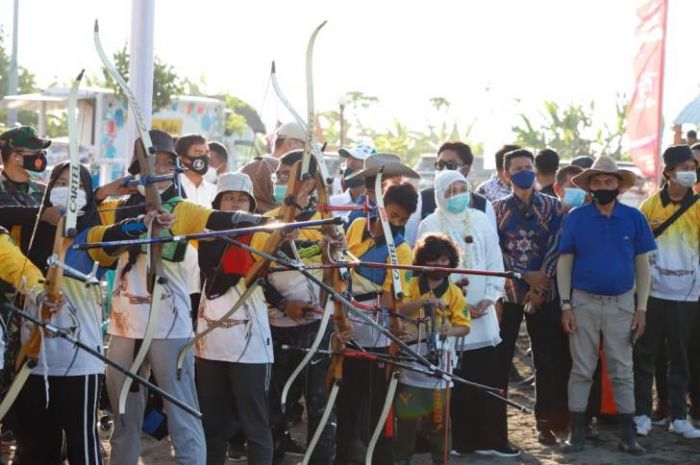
529,238
494,189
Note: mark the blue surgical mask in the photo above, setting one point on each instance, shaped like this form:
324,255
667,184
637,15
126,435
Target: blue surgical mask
458,203
279,192
524,179
574,197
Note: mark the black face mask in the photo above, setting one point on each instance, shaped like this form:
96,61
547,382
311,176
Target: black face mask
35,163
396,230
605,196
436,275
199,165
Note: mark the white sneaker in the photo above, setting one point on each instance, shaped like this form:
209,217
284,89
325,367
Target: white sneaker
643,425
684,428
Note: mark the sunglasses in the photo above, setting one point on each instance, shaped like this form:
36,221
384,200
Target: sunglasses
448,165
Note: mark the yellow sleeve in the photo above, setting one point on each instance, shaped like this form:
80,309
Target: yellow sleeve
457,308
17,270
190,218
405,257
96,234
108,211
647,207
412,291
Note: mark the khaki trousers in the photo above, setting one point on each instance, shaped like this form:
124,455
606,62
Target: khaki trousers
610,317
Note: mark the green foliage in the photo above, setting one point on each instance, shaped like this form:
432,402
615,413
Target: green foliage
571,130
399,138
26,83
235,123
166,83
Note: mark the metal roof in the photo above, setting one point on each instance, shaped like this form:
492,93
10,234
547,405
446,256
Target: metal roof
690,114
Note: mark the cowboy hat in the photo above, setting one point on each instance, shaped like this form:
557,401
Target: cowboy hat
605,165
389,161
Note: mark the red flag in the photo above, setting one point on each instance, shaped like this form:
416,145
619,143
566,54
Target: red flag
644,111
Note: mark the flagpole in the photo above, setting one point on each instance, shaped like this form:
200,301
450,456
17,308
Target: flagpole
659,148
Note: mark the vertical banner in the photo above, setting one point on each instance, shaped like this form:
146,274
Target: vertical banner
644,115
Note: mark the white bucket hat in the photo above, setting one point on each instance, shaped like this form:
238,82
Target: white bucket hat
235,181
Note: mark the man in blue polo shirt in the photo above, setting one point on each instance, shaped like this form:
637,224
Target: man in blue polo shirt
603,266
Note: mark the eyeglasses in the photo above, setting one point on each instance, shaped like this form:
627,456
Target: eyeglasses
448,165
281,177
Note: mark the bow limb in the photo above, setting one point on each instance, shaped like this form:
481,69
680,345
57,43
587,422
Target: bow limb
146,156
65,230
394,325
305,164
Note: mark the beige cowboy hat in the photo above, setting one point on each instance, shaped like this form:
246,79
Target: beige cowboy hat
389,161
606,165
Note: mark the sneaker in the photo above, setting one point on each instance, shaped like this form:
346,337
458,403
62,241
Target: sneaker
455,453
292,446
684,428
237,453
643,425
546,437
659,418
507,451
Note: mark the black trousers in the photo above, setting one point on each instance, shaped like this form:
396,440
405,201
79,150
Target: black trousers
479,420
550,352
694,360
311,383
359,405
669,322
234,397
72,410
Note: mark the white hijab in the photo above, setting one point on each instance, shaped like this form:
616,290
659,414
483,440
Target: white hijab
455,225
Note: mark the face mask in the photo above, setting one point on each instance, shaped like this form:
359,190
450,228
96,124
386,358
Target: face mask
686,178
605,196
280,192
199,165
396,230
211,175
574,197
524,179
458,203
59,197
35,163
437,275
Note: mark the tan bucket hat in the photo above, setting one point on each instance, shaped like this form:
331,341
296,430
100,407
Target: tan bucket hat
605,165
392,167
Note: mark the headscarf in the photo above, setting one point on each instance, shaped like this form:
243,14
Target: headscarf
455,225
260,171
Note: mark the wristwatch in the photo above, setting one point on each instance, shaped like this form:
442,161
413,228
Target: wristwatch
565,303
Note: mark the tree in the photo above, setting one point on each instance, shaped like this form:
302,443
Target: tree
166,83
26,83
571,130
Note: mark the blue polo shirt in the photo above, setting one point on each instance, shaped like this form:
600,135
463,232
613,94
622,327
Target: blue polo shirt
604,248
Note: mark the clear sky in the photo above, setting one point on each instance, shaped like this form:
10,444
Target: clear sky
490,58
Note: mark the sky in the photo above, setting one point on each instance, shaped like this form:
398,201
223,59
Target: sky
491,59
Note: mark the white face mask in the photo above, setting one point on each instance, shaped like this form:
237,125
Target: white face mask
686,178
59,197
211,175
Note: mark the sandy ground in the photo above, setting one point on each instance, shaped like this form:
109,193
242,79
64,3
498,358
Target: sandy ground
663,448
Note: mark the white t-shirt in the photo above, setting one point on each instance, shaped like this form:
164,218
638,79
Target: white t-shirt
246,338
82,313
131,301
447,360
202,195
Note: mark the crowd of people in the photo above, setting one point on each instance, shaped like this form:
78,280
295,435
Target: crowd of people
408,355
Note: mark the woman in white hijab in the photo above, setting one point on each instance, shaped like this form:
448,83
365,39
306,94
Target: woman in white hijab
479,421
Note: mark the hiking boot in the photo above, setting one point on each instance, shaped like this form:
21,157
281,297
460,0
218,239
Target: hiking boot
628,435
577,434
